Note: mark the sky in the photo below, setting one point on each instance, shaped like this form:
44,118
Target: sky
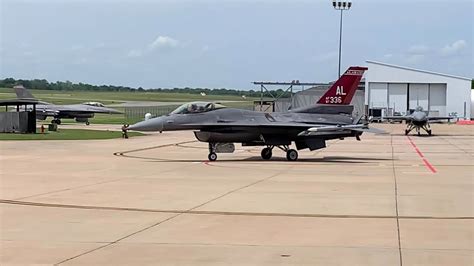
227,43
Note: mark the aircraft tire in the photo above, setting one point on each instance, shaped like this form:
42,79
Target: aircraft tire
88,123
292,155
429,132
406,132
212,156
266,153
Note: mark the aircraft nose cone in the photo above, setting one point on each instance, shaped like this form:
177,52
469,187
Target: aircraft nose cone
113,111
154,124
419,116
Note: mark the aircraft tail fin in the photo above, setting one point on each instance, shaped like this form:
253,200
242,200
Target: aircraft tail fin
23,93
343,90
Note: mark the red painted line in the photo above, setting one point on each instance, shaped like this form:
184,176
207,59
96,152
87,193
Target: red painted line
429,166
208,163
425,161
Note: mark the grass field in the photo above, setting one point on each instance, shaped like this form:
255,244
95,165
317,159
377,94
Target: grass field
74,97
68,134
71,97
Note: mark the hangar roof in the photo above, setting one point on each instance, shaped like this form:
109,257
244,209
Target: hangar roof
416,70
12,102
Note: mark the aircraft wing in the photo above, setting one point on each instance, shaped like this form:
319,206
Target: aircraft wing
83,108
221,124
306,129
46,110
399,118
433,118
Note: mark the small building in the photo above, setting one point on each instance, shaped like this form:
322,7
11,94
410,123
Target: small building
20,119
393,90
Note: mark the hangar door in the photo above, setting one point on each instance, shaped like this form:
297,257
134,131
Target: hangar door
437,100
377,95
418,96
397,97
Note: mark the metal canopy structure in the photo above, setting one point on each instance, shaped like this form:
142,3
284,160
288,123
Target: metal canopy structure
26,120
263,87
18,103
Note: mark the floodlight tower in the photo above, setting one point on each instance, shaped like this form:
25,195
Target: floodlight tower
341,5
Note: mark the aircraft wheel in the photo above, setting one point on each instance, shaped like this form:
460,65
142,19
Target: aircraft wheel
88,123
419,133
406,132
292,155
266,153
212,156
429,132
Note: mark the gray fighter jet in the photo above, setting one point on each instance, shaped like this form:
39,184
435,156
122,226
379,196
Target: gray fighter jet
308,128
79,112
418,120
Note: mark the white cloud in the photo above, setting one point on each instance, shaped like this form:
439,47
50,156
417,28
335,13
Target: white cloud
135,53
163,42
418,50
454,48
414,58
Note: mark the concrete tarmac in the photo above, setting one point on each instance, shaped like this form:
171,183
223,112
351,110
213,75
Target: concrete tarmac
155,200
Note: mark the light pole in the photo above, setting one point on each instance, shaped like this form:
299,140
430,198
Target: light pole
341,5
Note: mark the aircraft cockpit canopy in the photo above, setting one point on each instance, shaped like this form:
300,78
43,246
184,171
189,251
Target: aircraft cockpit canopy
197,107
419,109
96,104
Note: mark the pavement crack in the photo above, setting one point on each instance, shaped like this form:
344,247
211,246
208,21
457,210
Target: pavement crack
396,202
118,240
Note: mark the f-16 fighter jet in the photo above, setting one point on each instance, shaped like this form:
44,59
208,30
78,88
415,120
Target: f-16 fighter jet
419,119
79,112
308,128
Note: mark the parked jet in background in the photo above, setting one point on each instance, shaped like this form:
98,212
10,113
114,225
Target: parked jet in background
79,112
419,119
310,127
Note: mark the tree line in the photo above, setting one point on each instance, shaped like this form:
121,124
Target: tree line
43,84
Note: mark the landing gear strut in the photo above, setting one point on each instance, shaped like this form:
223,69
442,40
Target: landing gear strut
56,121
212,152
409,129
427,129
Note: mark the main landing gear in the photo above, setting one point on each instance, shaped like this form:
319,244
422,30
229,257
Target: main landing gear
418,129
56,121
291,155
212,152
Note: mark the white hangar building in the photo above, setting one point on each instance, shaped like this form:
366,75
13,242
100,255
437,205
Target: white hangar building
393,89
